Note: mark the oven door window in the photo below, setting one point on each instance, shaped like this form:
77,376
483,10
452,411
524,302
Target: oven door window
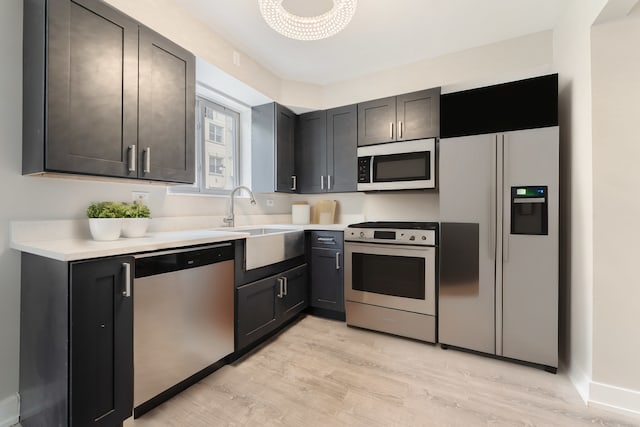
402,167
398,276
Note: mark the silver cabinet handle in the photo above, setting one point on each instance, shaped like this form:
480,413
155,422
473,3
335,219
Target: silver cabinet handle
322,182
127,279
281,284
337,260
132,158
328,182
400,129
294,183
391,130
286,285
147,160
326,239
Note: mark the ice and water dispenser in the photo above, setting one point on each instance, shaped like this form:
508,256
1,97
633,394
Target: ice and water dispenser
529,210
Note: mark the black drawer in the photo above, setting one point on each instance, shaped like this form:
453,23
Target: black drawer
326,239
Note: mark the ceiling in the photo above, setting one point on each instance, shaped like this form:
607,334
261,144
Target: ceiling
383,34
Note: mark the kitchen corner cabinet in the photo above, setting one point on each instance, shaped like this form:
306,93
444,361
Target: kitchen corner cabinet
104,96
327,271
264,305
76,342
273,129
326,143
413,115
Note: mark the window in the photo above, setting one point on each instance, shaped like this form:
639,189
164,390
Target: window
217,148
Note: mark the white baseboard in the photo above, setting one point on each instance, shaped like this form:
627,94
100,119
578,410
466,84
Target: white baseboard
614,397
9,411
581,382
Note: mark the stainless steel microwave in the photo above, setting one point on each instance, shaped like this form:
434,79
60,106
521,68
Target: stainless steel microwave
397,165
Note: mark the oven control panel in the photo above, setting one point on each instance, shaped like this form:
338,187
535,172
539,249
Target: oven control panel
391,236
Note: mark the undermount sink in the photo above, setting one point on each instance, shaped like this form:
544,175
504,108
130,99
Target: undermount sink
270,245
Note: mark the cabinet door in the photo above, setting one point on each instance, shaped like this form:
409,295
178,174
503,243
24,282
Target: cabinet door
327,288
418,115
311,152
342,143
376,121
296,295
92,88
101,343
285,139
256,310
167,110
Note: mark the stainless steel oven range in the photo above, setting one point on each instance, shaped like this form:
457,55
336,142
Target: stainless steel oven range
390,277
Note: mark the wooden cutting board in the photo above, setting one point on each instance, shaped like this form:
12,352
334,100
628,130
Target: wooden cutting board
324,212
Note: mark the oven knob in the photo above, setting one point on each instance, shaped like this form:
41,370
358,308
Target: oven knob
362,234
412,238
424,237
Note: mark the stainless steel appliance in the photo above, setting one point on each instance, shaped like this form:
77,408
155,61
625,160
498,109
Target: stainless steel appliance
498,289
390,277
183,318
397,165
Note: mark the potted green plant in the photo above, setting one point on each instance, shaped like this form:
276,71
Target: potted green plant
105,220
136,217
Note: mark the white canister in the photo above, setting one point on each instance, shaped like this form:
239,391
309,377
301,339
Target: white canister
300,214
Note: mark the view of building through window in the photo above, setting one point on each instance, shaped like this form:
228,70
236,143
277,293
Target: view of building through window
219,130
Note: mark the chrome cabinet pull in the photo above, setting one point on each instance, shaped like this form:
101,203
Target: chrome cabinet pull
400,129
281,284
127,278
391,130
326,239
294,183
328,182
286,285
132,158
147,160
337,260
322,182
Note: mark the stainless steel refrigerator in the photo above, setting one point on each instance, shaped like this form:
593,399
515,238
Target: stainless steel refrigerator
498,291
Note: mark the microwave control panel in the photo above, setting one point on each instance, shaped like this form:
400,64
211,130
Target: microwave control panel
364,170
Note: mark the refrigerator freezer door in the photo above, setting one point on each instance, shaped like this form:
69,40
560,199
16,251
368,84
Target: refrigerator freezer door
530,262
466,307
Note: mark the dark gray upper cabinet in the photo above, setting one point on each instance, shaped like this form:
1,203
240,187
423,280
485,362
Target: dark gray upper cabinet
84,95
76,342
326,144
167,99
413,115
342,143
273,129
311,152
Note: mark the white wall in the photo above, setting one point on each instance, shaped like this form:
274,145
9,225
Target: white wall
572,61
616,179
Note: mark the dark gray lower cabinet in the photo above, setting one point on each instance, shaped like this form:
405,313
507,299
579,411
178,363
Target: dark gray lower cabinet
264,305
327,272
76,342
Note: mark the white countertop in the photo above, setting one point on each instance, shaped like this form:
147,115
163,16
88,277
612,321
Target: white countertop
36,240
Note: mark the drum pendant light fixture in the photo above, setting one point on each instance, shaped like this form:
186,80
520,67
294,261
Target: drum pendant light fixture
307,27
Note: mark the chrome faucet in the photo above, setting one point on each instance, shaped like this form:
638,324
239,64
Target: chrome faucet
230,218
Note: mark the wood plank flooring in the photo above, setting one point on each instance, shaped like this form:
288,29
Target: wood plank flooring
322,373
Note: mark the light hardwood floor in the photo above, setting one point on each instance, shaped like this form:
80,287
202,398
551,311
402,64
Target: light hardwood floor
322,373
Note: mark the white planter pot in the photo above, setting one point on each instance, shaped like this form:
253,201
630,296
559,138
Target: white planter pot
105,228
134,227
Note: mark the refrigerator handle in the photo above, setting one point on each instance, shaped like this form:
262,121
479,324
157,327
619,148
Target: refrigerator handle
506,222
492,202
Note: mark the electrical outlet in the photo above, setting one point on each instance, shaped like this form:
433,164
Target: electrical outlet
140,196
269,202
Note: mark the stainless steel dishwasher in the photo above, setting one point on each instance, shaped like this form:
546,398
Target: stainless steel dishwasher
183,319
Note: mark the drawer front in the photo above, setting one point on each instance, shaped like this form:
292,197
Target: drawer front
327,239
